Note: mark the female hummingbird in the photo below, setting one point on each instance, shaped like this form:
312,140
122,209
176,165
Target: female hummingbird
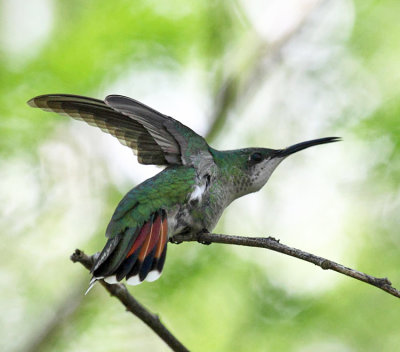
188,196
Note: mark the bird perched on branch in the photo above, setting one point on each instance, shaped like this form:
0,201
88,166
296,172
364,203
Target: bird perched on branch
188,196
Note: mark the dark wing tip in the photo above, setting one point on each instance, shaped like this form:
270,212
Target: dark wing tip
117,98
40,101
43,101
32,102
128,105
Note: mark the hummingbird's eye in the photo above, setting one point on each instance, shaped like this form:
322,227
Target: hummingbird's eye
256,157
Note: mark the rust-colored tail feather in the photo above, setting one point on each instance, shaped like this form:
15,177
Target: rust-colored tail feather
144,254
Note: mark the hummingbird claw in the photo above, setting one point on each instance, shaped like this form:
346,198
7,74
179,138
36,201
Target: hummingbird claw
207,243
175,240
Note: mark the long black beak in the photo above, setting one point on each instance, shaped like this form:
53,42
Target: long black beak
303,145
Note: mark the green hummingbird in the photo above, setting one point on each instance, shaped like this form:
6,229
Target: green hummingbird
188,196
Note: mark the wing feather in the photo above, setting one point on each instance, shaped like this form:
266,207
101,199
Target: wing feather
96,113
179,143
155,138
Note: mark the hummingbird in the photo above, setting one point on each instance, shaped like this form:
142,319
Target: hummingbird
188,196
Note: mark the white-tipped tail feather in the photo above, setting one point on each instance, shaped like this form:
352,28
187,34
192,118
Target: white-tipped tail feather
111,279
134,280
153,275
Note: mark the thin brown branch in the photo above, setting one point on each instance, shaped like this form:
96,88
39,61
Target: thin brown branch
274,245
132,305
152,320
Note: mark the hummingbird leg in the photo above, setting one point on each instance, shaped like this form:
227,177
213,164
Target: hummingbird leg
207,243
177,238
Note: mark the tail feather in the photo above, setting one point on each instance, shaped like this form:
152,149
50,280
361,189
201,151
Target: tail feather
115,258
148,250
146,265
157,266
161,252
134,271
106,252
134,251
161,261
137,254
127,266
152,255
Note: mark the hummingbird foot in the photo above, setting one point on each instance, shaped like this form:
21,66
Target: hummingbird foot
176,239
179,237
207,243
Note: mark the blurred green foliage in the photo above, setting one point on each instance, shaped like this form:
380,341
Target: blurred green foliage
212,297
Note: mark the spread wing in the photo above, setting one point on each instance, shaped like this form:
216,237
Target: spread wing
155,138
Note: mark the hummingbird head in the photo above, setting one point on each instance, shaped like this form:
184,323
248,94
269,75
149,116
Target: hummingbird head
254,166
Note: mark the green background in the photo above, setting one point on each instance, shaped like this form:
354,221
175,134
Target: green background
252,73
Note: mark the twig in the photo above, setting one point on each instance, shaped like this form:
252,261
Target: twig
132,305
273,244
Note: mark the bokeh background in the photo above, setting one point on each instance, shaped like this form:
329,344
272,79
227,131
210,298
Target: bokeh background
244,73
